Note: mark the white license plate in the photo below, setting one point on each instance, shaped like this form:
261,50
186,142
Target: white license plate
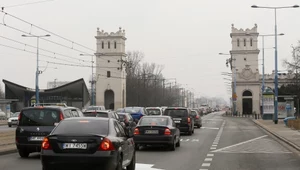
36,138
151,132
177,121
74,146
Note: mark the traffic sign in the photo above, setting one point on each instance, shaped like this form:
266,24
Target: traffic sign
234,96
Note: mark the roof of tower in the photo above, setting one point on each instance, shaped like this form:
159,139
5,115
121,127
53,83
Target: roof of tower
112,34
234,30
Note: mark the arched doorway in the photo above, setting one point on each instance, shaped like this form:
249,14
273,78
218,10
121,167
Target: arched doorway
109,99
247,102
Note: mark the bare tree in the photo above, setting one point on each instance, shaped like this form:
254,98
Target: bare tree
2,95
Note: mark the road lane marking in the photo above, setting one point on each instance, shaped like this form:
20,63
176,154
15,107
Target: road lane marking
213,148
206,164
208,159
239,143
214,128
203,169
210,155
214,145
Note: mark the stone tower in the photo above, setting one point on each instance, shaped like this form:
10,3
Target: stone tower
110,70
244,55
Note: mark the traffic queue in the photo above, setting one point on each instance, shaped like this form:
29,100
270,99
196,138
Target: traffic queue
98,138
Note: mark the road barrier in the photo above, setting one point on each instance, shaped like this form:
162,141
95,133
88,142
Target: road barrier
253,116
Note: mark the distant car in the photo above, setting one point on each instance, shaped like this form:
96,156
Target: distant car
128,120
3,115
197,118
89,142
135,112
34,123
101,113
120,110
157,130
154,111
95,108
13,120
183,117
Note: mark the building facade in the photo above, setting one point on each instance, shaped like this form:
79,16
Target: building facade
245,70
110,69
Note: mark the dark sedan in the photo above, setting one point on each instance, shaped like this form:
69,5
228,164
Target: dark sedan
89,142
157,130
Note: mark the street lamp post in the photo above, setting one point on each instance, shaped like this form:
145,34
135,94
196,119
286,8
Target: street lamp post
37,91
92,83
263,68
276,57
234,96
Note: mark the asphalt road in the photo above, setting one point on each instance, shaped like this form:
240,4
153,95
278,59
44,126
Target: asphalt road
222,144
5,128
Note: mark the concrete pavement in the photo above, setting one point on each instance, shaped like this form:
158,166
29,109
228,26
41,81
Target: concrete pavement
224,143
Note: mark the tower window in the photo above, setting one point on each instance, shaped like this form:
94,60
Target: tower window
251,42
102,44
115,44
108,45
238,42
245,42
108,73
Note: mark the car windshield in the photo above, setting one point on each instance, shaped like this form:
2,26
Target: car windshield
154,121
39,117
132,109
176,112
82,127
153,111
15,114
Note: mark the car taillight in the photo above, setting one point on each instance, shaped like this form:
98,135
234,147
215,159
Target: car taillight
61,116
136,131
20,116
189,120
106,145
167,131
197,117
46,144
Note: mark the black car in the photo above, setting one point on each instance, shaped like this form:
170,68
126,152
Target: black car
183,117
157,130
34,123
197,118
97,142
101,113
128,120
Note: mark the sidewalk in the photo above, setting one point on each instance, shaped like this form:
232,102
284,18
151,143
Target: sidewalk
286,134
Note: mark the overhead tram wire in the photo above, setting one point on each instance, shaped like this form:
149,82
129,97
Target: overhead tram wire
5,25
57,63
29,3
52,33
19,49
43,49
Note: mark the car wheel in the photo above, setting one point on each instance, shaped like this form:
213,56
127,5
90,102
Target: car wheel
120,163
23,153
178,143
173,145
9,125
190,133
131,166
47,168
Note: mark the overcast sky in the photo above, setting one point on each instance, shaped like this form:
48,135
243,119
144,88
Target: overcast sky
184,36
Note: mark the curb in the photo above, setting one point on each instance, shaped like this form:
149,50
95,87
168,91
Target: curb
8,152
278,136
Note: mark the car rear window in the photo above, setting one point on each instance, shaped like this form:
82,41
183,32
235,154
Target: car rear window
153,111
39,117
132,110
154,121
102,114
89,114
194,113
82,126
176,112
122,117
